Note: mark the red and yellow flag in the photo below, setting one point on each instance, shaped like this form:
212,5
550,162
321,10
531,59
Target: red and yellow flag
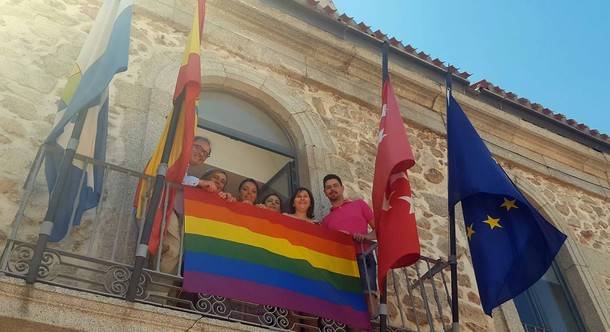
186,97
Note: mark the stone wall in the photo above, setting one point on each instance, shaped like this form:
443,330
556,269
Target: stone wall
332,117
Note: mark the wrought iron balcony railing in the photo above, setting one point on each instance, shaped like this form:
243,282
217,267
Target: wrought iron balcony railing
97,256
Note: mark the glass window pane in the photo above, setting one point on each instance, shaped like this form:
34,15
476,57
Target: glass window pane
234,113
555,307
551,276
280,184
526,309
546,305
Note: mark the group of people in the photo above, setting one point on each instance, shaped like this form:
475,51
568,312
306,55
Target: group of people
353,217
301,203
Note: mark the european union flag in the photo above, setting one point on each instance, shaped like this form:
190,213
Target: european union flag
511,244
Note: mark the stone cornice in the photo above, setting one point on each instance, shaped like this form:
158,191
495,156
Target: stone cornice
523,134
521,142
539,113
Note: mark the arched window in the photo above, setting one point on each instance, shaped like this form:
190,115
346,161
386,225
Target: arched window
548,306
246,143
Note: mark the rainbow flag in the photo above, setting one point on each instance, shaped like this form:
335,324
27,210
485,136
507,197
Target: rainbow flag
247,253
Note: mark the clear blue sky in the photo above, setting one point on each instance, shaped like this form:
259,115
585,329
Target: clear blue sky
553,52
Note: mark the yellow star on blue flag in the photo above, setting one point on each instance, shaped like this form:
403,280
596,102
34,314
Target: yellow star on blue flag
514,245
492,222
509,204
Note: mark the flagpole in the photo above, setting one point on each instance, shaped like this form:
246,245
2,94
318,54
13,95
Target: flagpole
46,227
383,299
142,249
455,327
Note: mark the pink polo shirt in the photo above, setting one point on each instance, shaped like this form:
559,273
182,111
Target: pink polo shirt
351,217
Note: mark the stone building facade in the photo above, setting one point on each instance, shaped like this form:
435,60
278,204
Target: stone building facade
317,74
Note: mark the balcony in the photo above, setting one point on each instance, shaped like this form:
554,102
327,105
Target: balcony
97,257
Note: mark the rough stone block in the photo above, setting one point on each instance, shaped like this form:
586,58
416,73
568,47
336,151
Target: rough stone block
157,7
20,107
424,117
576,173
335,81
32,77
132,96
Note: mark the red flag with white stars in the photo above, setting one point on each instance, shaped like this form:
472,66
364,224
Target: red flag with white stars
392,199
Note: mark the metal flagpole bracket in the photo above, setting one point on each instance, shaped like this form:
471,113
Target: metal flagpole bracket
162,169
46,227
383,309
142,250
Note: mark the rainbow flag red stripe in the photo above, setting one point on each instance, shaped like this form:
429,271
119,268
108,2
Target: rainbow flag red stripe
247,253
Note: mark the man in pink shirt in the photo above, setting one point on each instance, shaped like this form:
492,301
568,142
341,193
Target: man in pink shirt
354,217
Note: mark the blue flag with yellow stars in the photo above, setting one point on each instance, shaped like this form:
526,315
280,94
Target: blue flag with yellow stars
511,244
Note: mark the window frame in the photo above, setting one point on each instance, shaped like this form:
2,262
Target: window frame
259,143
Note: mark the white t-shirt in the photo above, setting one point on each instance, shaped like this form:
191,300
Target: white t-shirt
188,180
191,181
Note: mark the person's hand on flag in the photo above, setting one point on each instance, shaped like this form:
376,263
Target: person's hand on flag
207,185
227,197
371,236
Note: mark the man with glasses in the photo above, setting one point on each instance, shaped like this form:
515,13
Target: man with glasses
170,251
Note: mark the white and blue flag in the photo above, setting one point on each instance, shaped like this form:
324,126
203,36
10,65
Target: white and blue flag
104,54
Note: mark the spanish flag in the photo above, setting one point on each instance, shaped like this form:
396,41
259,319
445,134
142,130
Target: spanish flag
186,97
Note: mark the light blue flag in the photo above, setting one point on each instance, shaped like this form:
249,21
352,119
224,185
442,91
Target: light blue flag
104,54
